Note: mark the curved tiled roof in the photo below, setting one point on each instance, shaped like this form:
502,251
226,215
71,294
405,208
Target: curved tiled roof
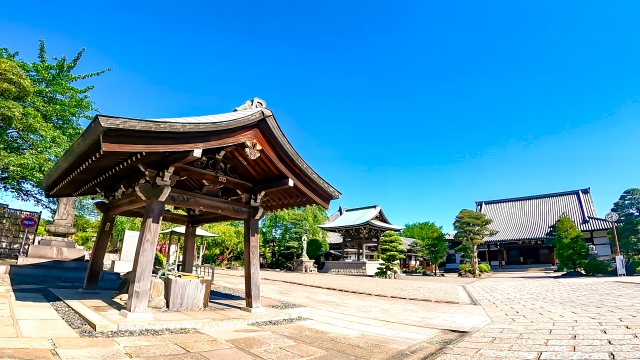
353,218
531,217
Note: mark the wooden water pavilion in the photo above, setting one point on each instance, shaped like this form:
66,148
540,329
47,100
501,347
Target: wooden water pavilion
232,166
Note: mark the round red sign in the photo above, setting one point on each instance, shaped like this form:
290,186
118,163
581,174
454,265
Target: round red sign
28,222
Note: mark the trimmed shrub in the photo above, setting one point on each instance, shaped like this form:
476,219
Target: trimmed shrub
596,267
466,269
484,268
159,260
315,247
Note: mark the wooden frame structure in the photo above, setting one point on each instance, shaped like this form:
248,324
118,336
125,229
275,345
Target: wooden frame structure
232,166
359,228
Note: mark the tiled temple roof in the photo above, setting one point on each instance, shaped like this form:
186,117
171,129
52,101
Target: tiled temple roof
531,217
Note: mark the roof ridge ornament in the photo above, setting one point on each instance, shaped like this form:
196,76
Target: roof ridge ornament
256,103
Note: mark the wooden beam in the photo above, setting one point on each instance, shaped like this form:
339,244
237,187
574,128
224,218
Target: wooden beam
140,279
182,157
185,199
207,218
273,185
251,266
126,202
211,178
99,249
167,216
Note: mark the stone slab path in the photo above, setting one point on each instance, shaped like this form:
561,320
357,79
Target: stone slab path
337,325
30,315
440,289
349,309
537,316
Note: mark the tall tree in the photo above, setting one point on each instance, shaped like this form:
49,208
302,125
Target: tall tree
40,112
471,228
281,233
628,224
391,250
228,245
571,249
430,242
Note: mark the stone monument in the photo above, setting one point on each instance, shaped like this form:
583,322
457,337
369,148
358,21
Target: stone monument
58,244
304,264
127,252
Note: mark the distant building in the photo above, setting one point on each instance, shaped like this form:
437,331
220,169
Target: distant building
524,223
354,233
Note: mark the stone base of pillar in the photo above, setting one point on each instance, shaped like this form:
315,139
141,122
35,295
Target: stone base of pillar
253,310
139,316
300,265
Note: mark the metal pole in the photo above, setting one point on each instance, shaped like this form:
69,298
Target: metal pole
615,236
24,238
169,250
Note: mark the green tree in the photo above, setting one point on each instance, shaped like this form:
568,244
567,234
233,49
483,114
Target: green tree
471,228
430,242
121,225
227,246
571,249
86,230
391,250
281,233
40,112
315,247
628,224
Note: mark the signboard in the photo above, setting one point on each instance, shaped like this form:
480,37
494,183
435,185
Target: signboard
28,222
620,266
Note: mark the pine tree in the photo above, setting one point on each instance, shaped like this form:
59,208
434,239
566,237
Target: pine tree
391,250
471,228
571,249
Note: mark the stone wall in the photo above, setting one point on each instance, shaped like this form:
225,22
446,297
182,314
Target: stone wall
11,233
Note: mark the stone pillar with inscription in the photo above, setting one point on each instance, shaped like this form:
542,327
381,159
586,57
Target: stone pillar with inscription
58,244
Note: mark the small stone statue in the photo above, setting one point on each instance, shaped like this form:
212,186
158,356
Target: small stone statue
304,248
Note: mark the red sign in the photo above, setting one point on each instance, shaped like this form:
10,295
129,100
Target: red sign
28,222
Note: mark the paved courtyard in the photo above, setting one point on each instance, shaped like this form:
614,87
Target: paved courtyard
527,315
536,316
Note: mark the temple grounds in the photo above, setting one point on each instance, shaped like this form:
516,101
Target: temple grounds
524,315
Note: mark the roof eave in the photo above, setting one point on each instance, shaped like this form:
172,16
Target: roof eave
93,131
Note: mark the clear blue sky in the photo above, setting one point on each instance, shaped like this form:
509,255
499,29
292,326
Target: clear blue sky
422,107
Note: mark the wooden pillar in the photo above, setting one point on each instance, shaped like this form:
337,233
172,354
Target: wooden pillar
251,265
189,248
99,249
140,280
486,251
342,249
364,256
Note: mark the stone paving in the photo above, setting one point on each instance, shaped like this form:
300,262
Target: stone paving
440,289
336,307
536,316
334,325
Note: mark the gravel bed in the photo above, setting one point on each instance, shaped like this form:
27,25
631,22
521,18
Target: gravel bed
237,294
284,305
279,322
227,292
